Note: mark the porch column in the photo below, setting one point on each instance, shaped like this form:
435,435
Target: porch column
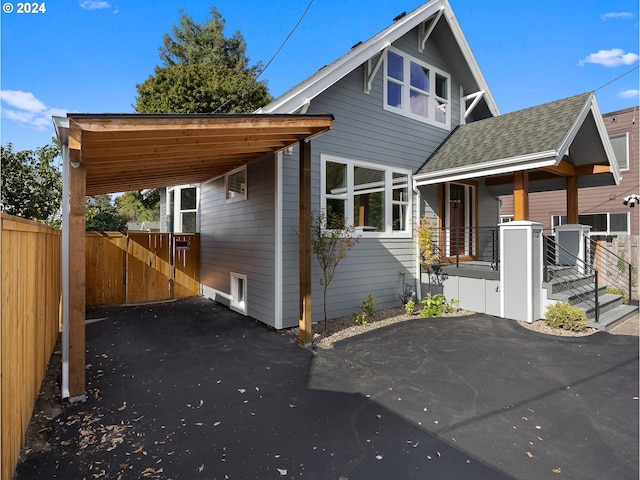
572,200
521,195
521,270
305,244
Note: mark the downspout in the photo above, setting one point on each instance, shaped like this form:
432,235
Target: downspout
62,131
416,222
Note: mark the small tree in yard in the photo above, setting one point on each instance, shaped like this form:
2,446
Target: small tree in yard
331,240
426,251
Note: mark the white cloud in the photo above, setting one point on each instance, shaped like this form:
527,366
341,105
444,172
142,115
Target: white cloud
613,15
94,5
630,94
28,110
610,58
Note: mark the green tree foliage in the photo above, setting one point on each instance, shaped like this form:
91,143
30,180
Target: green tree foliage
32,183
202,72
135,207
330,246
102,215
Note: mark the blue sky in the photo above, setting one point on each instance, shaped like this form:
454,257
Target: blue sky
88,55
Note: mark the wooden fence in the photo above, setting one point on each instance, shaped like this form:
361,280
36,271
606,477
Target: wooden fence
30,321
141,267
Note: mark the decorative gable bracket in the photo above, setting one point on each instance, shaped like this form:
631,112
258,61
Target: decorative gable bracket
370,71
424,31
475,97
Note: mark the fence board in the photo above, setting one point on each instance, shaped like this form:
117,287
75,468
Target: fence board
30,257
137,268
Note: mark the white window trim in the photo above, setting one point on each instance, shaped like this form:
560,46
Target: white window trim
626,135
177,212
592,232
388,171
239,198
406,88
238,289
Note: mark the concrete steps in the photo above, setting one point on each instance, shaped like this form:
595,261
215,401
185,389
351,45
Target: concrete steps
570,286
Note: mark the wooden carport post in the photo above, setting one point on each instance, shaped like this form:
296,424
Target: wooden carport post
76,265
305,243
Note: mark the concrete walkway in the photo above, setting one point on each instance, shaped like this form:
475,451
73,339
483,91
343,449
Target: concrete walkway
189,390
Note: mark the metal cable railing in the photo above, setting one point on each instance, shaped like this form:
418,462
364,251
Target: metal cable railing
479,243
568,273
616,272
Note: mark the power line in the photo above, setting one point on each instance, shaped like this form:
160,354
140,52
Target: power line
273,57
616,79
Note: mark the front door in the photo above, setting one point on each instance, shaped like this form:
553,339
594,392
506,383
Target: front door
459,219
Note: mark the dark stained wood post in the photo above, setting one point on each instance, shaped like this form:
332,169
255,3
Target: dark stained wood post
521,195
77,282
305,244
572,200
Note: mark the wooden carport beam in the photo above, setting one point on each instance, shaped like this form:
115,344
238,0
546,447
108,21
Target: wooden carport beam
77,282
305,244
521,195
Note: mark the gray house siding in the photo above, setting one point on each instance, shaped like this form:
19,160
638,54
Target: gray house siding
362,131
239,237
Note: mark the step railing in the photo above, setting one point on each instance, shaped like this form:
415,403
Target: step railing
566,270
616,272
481,243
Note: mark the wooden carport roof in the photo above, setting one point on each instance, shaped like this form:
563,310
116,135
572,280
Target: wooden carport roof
106,153
133,152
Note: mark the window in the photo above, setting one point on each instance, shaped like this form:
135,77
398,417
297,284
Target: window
182,209
238,300
416,89
506,218
374,198
235,185
601,223
620,144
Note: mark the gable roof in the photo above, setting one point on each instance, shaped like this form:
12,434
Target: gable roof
301,95
569,130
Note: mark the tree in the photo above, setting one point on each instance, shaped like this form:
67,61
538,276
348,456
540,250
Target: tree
330,246
32,183
102,215
203,72
427,250
134,206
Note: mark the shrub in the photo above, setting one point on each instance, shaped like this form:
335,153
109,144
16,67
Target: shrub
436,305
567,317
409,306
618,291
367,306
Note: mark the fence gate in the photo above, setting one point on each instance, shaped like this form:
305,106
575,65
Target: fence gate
141,267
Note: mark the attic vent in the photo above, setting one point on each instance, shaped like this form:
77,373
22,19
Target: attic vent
398,17
357,44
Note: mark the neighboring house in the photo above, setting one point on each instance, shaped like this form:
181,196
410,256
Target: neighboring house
416,132
602,207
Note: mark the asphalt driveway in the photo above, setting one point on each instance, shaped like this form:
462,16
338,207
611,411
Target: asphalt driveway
189,389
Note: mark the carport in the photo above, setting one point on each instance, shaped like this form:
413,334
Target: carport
107,153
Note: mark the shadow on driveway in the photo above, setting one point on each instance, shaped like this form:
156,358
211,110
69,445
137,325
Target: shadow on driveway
189,389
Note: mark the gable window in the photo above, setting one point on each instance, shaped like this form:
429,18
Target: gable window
182,209
416,89
235,185
601,223
373,198
620,144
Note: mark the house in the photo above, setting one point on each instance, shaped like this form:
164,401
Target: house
416,132
602,207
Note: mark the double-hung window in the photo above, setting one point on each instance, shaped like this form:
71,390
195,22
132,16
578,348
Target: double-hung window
373,198
416,89
182,209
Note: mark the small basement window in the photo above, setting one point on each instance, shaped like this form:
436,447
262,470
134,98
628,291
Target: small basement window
238,293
